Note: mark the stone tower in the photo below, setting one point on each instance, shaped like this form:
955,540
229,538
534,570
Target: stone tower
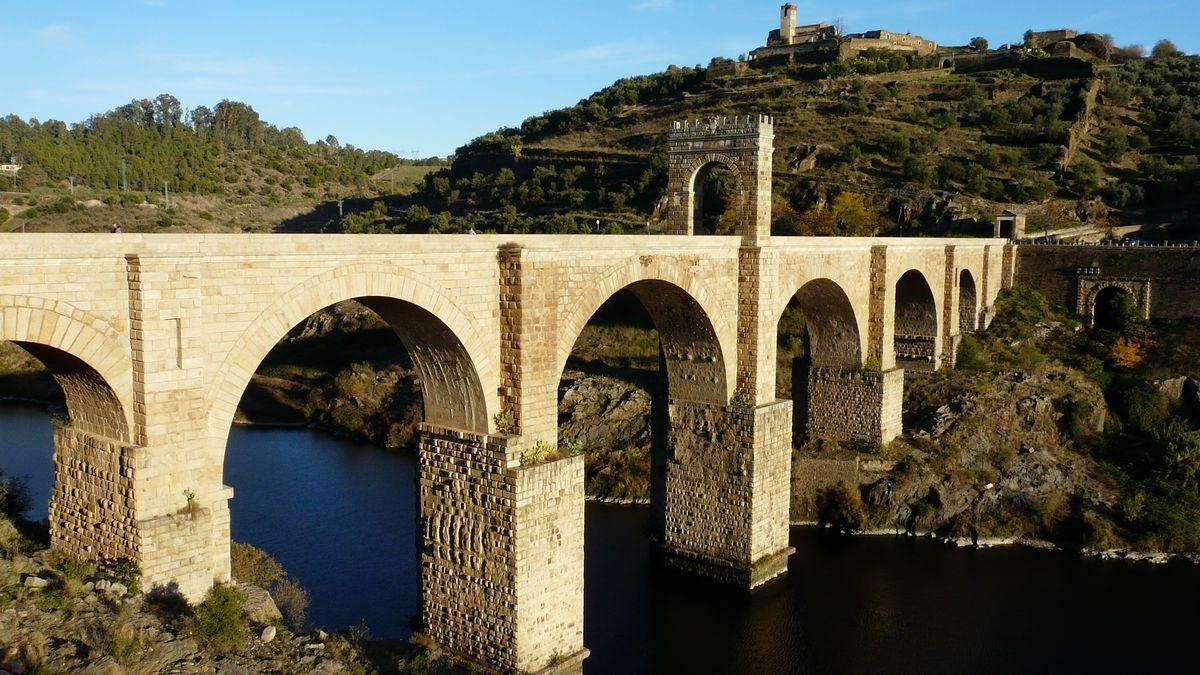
787,24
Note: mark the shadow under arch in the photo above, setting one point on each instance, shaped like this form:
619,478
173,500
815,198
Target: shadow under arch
447,353
689,335
85,356
1111,307
968,302
916,322
817,328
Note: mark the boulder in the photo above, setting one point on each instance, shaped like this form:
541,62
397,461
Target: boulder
260,608
1191,397
268,634
32,581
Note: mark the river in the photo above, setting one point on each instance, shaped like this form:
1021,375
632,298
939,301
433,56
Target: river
340,516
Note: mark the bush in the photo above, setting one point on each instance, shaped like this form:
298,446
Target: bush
970,354
219,623
256,567
841,508
3,216
14,496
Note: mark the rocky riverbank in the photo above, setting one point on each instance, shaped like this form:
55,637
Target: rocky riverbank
59,615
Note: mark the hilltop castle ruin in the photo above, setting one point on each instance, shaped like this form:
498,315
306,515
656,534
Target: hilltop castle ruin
822,41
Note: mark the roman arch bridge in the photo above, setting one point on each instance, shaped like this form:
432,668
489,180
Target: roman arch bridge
153,339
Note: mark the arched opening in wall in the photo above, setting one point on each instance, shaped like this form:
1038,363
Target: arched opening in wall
968,307
816,333
916,326
323,458
52,399
947,63
1114,310
648,344
715,200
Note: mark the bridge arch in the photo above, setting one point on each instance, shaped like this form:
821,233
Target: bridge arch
833,337
86,356
916,321
451,358
968,302
695,337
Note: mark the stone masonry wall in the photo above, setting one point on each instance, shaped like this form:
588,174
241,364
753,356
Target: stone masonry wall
813,475
722,485
1174,273
92,512
854,404
549,563
467,554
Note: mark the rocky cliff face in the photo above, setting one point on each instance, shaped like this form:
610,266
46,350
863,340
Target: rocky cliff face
999,459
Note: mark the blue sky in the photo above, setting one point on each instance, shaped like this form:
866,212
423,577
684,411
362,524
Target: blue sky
428,76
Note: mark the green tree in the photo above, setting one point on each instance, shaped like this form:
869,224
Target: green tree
1165,49
979,43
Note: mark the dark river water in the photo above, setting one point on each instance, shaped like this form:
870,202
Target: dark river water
340,516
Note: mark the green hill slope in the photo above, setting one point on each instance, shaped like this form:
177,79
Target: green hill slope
222,168
929,150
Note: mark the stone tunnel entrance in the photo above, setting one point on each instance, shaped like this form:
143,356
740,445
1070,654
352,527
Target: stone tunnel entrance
1115,308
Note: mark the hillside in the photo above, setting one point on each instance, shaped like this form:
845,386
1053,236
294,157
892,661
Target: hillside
929,150
223,169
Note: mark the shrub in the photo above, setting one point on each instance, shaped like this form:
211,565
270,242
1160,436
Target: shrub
256,567
118,639
841,508
970,354
14,495
3,216
219,623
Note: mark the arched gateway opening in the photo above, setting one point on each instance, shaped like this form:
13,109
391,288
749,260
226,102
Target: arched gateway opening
717,200
818,344
1115,308
916,326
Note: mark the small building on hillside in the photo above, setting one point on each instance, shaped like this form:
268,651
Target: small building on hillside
1009,225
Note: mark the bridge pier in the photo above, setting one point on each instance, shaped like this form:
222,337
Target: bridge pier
853,404
501,552
728,485
98,511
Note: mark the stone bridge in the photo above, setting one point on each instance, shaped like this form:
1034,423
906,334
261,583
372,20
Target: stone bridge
153,339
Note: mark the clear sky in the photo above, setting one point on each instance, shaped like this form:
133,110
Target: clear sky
428,76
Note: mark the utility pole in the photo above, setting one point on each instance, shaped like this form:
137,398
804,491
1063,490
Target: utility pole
71,180
124,179
167,195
